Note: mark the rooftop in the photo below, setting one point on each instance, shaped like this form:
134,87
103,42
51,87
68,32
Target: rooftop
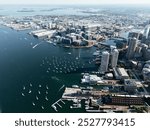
122,72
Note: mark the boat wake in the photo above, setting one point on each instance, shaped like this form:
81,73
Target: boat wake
61,88
37,45
55,78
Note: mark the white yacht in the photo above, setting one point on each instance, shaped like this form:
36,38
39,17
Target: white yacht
33,103
22,94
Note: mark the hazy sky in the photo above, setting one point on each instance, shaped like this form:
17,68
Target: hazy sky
74,1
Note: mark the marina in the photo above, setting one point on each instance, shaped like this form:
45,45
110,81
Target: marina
62,65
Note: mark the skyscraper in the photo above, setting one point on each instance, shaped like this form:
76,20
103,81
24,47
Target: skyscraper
132,44
147,32
104,62
146,35
114,58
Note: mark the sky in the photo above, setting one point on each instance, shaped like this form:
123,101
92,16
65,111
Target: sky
74,2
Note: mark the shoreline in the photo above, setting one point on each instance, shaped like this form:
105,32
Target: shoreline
76,47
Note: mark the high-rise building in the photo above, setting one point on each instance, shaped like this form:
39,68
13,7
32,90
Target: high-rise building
114,58
133,34
147,54
132,44
146,35
104,62
112,48
147,32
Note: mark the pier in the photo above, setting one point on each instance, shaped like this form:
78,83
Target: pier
54,105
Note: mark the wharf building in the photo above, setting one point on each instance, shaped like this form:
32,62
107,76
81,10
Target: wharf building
122,100
104,62
43,33
120,73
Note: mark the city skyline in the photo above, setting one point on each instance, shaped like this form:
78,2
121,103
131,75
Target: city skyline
86,2
71,56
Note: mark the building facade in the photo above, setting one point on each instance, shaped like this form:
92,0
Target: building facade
104,62
132,44
114,58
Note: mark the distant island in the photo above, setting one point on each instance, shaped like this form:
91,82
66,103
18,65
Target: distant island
53,9
26,10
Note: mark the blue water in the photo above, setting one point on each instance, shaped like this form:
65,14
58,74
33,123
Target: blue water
45,65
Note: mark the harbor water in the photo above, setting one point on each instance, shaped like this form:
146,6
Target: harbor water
32,71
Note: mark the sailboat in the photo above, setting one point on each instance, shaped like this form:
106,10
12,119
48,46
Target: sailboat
22,94
24,87
30,91
42,107
47,87
37,98
33,103
46,98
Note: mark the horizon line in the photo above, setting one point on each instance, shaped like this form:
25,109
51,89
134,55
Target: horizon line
75,4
